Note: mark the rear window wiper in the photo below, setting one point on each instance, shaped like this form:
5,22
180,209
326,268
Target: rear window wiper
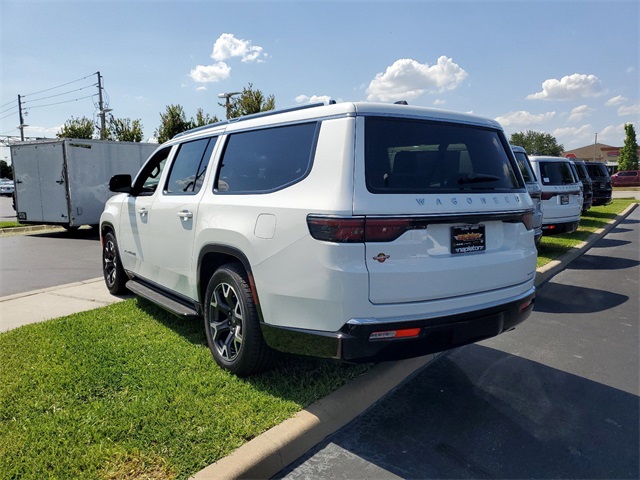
477,178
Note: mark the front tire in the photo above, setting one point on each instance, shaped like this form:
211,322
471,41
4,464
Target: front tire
114,275
231,323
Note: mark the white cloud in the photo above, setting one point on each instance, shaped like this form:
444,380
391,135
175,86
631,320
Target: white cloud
210,73
573,137
629,110
569,87
578,114
312,99
228,46
201,88
439,101
522,118
407,79
615,101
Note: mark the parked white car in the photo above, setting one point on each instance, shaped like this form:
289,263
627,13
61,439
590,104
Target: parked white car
561,194
7,187
533,187
353,231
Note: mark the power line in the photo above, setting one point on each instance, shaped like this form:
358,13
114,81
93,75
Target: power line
10,108
8,103
10,115
63,85
58,94
60,103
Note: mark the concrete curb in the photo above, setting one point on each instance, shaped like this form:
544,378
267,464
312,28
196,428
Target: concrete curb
278,447
30,229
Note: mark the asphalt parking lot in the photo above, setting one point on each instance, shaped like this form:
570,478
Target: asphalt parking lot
555,398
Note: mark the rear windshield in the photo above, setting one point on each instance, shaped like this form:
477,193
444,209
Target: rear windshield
597,170
556,173
582,171
525,167
412,156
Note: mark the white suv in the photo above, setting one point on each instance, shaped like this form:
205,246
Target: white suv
562,197
354,231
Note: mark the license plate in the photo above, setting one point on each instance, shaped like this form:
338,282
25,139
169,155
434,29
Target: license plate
564,199
467,239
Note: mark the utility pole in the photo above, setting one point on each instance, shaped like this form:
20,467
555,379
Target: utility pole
227,96
22,125
595,142
103,131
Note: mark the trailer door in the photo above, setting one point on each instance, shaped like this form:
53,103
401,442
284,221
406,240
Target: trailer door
41,184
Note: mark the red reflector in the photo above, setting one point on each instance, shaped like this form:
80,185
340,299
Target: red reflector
404,333
526,305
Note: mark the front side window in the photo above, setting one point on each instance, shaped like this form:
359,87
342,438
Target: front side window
148,179
412,156
556,173
261,161
189,167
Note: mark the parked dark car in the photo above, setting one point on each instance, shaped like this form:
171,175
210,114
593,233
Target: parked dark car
601,182
626,178
587,184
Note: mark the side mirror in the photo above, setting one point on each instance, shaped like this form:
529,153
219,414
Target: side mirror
120,184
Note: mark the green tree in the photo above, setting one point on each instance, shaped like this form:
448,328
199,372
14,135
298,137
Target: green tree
174,121
124,130
250,101
5,170
629,154
202,119
537,143
77,128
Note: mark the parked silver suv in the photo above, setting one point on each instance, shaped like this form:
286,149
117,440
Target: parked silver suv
353,231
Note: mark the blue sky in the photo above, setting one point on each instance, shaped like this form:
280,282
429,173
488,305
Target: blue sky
568,68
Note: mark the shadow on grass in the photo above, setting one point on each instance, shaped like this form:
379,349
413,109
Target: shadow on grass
294,377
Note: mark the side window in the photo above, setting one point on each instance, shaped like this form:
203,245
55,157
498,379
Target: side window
149,177
262,161
189,166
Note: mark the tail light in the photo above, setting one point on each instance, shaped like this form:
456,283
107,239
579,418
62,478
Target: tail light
548,195
359,229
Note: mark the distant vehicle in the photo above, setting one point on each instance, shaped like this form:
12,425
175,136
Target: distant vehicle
626,178
601,182
561,194
533,187
7,187
587,185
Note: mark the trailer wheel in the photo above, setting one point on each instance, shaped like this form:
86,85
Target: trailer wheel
114,275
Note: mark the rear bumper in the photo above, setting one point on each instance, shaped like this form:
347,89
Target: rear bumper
353,342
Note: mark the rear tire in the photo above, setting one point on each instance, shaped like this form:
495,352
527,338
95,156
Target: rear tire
231,323
114,275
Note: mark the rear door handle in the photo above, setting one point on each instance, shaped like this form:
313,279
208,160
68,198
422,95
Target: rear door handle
142,211
185,214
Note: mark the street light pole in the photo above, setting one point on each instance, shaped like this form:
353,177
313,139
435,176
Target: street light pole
595,142
227,96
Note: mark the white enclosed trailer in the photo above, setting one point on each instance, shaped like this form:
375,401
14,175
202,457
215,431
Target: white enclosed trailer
66,181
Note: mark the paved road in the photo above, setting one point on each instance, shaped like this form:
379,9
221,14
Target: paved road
7,213
556,398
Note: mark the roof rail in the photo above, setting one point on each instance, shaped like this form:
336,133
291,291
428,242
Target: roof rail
254,115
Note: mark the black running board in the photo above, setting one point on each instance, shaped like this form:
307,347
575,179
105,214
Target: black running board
171,304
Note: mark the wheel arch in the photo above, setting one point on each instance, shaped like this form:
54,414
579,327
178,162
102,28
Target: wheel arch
212,257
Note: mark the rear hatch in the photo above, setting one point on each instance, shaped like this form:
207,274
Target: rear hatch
561,194
446,210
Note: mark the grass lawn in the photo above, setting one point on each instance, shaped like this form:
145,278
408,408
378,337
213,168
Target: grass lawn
130,391
10,224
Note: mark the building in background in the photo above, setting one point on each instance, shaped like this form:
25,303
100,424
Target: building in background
598,152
